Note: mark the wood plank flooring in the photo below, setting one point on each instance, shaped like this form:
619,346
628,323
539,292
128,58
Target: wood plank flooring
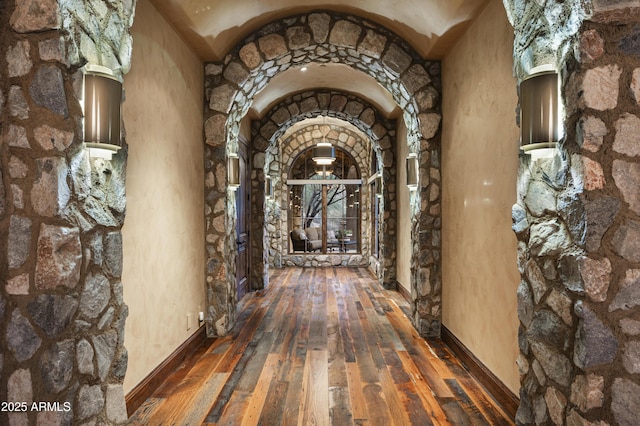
321,346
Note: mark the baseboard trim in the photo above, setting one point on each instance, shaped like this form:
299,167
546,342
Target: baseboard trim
403,291
503,395
146,387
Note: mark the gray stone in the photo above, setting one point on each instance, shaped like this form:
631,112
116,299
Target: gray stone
319,24
53,50
429,124
106,318
626,240
627,130
540,410
628,297
50,193
598,345
113,253
20,387
345,34
591,133
571,209
35,15
80,170
630,327
120,364
272,46
600,214
519,218
59,257
116,407
546,327
221,98
95,295
105,350
631,357
17,137
556,365
17,169
415,78
372,44
18,60
548,238
536,279
525,415
56,366
52,313
90,401
298,37
19,241
540,199
561,305
235,73
627,178
84,357
18,107
47,90
22,339
625,401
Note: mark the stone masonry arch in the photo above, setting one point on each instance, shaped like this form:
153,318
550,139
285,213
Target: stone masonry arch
265,136
322,37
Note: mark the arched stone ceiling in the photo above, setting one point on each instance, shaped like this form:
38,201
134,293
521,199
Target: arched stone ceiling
212,27
330,76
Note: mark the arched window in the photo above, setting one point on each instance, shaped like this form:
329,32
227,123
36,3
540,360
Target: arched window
324,204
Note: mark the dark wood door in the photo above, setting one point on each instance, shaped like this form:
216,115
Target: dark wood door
243,195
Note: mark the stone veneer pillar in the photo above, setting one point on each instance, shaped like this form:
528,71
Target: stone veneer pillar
578,220
61,304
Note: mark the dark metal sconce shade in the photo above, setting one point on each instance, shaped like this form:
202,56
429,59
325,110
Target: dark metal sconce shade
539,111
233,171
102,112
412,171
324,153
268,187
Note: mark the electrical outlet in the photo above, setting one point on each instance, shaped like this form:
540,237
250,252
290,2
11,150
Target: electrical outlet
189,321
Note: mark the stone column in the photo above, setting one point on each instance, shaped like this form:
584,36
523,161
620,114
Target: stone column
61,212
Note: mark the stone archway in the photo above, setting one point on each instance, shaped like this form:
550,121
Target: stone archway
322,37
345,106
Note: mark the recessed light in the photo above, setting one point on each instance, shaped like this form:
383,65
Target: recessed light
303,69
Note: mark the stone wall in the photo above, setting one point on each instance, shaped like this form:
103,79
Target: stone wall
322,37
61,213
577,222
266,137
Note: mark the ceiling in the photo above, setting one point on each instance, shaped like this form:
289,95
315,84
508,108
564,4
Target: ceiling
213,27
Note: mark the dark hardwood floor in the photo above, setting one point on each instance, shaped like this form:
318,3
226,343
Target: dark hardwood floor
321,346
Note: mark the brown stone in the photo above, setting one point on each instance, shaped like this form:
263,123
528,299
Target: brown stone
601,86
626,240
50,138
18,285
631,357
18,60
373,44
635,85
591,45
221,98
396,59
556,403
235,73
272,46
59,257
593,174
35,15
591,133
215,129
429,124
345,34
298,37
596,275
319,24
415,78
250,55
16,136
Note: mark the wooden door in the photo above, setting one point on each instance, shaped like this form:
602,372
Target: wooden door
243,222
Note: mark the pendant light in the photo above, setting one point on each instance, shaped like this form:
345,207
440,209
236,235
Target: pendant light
324,153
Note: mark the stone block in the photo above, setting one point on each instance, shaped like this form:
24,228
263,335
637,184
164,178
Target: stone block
90,401
628,297
372,44
59,257
272,46
17,103
56,366
19,241
35,16
84,357
626,240
105,349
95,295
345,33
596,274
625,401
626,140
600,214
591,132
250,56
627,178
21,339
47,90
221,98
591,45
50,193
115,404
556,365
52,313
556,403
601,86
18,60
20,387
597,343
49,138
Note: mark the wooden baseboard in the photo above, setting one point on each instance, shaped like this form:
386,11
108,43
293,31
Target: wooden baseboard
146,387
507,399
404,292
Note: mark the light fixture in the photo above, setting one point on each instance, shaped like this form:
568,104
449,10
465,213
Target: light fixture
540,111
233,170
268,187
412,171
102,101
378,186
324,153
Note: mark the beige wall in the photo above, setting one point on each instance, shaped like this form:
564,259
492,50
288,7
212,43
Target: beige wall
163,234
479,162
403,248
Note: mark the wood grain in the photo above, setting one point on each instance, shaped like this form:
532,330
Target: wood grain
322,346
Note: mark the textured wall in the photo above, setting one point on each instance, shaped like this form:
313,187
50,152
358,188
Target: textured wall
163,272
479,166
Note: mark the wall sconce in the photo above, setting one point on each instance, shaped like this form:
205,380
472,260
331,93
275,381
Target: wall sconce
540,111
378,186
324,154
102,104
268,187
412,171
233,171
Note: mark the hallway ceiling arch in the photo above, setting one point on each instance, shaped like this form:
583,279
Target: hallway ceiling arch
213,27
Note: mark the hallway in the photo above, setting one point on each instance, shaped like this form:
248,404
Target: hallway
321,346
